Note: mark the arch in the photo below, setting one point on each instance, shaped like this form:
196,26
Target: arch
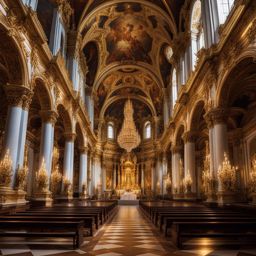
139,66
222,87
19,72
66,118
196,114
85,17
43,94
118,98
178,135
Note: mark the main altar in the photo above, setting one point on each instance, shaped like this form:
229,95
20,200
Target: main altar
128,178
128,139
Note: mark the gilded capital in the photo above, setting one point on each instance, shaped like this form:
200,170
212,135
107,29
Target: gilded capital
18,95
189,136
70,137
176,149
49,116
83,150
216,116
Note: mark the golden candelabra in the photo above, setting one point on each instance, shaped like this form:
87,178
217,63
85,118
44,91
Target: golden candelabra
227,175
208,180
21,178
67,186
6,170
187,182
42,178
56,177
252,181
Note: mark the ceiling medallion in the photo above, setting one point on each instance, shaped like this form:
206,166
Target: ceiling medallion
128,137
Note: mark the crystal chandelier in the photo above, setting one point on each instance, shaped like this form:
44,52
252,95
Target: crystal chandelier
128,137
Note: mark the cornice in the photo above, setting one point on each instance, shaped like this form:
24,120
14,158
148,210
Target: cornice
207,56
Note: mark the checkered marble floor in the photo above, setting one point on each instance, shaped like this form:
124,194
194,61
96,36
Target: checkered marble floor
128,233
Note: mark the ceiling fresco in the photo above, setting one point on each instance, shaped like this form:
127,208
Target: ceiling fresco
128,38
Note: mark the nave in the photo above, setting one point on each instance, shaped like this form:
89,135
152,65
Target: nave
128,231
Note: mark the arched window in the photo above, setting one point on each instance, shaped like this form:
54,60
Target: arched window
147,130
197,33
224,8
174,87
110,131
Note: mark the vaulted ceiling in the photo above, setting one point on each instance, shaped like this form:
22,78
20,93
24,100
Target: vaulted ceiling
127,46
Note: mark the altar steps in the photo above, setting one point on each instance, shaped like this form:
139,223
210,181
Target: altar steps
128,202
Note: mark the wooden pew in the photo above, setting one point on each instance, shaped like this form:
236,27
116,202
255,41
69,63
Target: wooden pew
87,221
165,219
34,228
95,216
238,232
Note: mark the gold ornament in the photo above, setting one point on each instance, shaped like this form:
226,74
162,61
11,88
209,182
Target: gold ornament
252,181
55,180
227,176
42,178
6,170
187,183
22,173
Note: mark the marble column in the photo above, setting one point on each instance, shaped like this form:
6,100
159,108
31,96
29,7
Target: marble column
19,98
90,178
83,164
114,175
218,118
189,158
176,157
165,170
49,119
142,178
68,166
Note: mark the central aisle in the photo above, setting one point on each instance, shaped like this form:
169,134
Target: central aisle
130,234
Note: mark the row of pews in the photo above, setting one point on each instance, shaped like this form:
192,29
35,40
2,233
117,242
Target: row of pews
191,224
68,220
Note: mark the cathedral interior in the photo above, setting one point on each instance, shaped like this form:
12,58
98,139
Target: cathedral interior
128,127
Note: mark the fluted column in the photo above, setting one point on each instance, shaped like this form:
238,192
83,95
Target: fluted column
176,157
19,98
189,158
68,166
83,163
49,119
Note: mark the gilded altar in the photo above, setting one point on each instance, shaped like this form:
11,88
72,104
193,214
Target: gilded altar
129,174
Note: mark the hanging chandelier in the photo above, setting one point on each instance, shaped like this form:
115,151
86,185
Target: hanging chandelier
128,137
